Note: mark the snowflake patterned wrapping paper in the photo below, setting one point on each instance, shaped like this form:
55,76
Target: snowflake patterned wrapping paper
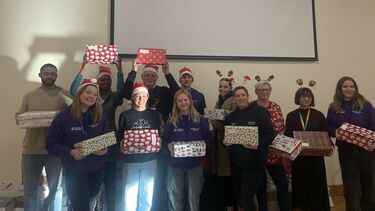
285,147
152,56
356,135
217,114
241,135
184,149
141,141
97,143
35,119
319,143
101,54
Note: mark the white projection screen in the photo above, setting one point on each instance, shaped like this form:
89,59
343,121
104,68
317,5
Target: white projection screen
216,29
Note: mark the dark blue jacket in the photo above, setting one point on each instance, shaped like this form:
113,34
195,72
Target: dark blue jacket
65,132
186,130
198,100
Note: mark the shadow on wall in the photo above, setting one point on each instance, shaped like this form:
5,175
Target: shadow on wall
65,47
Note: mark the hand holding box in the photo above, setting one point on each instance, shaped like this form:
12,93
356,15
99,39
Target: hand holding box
95,144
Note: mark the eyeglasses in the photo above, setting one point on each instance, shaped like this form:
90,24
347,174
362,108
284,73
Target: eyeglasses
264,90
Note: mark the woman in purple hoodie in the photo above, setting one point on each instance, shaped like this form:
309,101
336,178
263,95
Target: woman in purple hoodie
185,174
82,120
357,164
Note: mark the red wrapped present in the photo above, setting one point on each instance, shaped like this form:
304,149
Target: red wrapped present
356,135
285,147
141,141
315,143
101,54
152,56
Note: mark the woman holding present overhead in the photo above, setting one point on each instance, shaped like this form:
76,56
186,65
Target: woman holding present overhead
81,121
309,183
357,164
248,164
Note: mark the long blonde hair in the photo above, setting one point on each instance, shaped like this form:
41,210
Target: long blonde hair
76,112
358,100
176,113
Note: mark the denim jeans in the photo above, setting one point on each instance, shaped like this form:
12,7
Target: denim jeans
278,175
138,188
32,166
184,186
358,176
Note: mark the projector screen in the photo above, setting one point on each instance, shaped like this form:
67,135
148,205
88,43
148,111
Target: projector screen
216,29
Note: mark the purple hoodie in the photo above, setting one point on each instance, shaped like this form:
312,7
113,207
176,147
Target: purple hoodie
364,118
186,130
65,132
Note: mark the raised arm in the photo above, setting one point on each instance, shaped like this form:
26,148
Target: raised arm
79,77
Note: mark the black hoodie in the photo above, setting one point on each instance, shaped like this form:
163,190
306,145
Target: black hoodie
253,115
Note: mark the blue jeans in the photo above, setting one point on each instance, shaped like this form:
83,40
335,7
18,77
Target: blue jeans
184,187
138,188
32,166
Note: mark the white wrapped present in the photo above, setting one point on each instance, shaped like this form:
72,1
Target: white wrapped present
189,149
97,143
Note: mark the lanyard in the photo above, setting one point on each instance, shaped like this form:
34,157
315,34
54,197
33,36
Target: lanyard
304,123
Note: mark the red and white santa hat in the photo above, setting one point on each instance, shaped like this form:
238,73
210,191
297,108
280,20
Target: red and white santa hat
86,82
103,70
184,71
152,68
139,87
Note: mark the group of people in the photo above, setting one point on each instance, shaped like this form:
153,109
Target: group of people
158,180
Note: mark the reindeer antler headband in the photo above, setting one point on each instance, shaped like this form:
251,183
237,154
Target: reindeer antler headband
300,82
231,77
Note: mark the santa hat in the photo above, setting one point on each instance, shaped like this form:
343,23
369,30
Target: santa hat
139,87
152,68
103,70
184,71
86,82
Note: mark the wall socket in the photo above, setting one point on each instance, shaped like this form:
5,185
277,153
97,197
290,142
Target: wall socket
6,185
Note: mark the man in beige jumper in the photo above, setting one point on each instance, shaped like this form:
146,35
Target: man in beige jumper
48,97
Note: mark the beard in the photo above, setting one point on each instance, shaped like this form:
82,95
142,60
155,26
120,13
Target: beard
49,82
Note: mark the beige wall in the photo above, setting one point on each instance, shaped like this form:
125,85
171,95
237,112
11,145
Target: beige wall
40,31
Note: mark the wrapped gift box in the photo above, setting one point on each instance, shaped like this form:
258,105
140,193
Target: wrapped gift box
315,143
152,56
356,135
217,114
101,54
189,149
285,147
97,143
141,141
241,135
35,119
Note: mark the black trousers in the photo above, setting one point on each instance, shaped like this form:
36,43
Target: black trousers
278,175
110,184
358,176
82,189
246,183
